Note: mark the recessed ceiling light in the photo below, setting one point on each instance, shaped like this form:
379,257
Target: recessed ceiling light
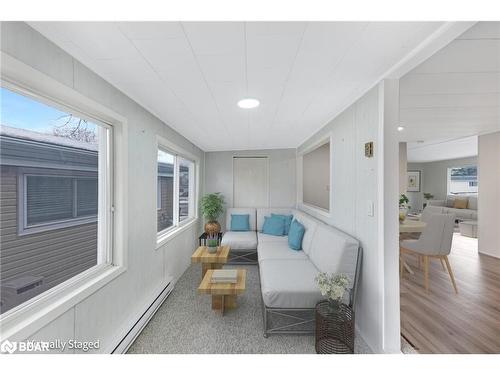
248,103
401,128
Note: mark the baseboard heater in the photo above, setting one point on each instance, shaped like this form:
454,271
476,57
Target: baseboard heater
138,326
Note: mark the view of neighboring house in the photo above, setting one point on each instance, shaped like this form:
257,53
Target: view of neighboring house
463,180
49,195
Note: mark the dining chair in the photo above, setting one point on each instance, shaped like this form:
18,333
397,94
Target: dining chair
434,242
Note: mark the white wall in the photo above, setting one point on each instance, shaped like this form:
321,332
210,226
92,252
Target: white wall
282,181
107,314
403,167
357,182
316,177
434,178
489,195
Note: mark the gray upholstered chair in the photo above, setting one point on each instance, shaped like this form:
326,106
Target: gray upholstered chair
434,242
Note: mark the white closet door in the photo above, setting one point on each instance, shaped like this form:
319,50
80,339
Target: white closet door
250,182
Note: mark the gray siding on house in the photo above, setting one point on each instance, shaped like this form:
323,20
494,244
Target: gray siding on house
53,255
56,255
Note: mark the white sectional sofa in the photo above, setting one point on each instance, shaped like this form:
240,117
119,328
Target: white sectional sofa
288,287
446,207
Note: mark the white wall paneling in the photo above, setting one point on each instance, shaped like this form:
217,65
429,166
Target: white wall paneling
251,181
357,183
107,312
489,195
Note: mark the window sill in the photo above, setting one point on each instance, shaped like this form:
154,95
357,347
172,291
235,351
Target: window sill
310,208
28,318
166,237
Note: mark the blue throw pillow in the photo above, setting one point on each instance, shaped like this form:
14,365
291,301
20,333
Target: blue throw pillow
288,220
274,225
295,235
240,223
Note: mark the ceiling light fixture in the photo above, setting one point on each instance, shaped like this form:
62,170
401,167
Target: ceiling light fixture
248,103
401,128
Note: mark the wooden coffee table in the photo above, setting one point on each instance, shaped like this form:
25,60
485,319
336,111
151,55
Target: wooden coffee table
210,261
223,294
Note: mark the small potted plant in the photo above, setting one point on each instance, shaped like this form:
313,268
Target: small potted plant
333,287
212,206
403,207
428,197
212,243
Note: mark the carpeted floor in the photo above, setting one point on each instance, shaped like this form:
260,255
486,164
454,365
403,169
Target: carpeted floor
185,323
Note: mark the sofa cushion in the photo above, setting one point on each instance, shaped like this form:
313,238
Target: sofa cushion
278,250
296,235
310,225
460,203
334,251
274,225
240,223
262,238
263,212
472,203
289,283
288,221
450,201
240,240
241,211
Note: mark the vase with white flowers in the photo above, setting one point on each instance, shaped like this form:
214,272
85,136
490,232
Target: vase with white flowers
333,287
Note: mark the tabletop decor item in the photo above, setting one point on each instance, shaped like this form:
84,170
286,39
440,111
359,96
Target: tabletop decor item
212,206
427,197
333,287
212,242
403,207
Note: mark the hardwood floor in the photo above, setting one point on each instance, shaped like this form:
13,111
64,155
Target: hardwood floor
441,321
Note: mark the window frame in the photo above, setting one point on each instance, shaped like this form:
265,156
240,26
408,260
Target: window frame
178,226
308,207
23,227
448,180
28,317
191,193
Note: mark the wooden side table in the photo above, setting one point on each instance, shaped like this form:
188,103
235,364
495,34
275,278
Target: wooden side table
210,261
223,294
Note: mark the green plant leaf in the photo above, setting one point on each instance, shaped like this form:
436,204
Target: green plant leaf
212,206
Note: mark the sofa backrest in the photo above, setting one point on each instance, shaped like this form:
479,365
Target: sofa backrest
241,211
472,204
263,212
310,224
334,251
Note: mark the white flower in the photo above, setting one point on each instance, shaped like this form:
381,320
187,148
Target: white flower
332,286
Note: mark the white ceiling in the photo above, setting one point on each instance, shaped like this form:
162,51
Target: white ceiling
442,149
456,92
192,74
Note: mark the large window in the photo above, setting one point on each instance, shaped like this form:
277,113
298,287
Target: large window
175,194
54,196
316,177
462,180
